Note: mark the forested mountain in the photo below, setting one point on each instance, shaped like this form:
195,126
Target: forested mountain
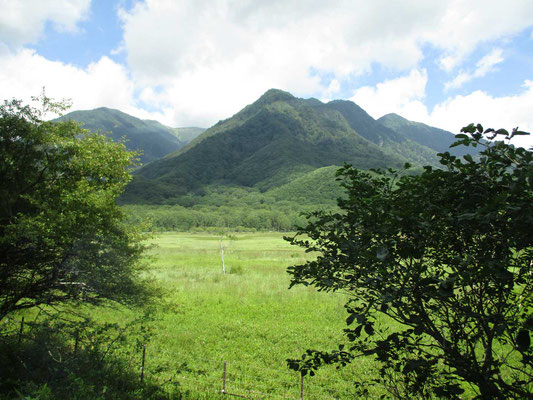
187,134
152,138
389,140
436,139
273,141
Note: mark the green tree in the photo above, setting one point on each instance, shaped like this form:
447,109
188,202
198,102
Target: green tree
62,236
438,269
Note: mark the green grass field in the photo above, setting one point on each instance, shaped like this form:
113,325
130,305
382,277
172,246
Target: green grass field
247,317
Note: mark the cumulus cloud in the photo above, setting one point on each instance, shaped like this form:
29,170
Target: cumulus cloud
497,112
404,96
333,88
209,58
24,21
102,84
483,67
198,61
467,23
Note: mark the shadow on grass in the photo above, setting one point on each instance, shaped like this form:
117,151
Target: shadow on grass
55,360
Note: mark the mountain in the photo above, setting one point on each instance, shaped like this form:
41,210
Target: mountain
389,140
154,139
267,144
187,134
277,140
436,139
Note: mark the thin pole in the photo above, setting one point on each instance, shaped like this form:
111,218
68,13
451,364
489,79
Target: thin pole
21,328
142,366
222,255
302,387
224,379
76,341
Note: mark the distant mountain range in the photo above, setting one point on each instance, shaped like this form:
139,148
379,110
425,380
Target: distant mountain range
152,138
279,140
282,145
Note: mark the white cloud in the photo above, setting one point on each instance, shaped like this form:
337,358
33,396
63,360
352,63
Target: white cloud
333,88
496,112
197,61
402,96
209,58
102,84
466,23
483,67
23,21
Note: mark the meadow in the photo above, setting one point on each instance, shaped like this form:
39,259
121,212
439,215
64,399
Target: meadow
247,318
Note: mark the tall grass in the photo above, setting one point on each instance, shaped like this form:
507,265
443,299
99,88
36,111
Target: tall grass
247,317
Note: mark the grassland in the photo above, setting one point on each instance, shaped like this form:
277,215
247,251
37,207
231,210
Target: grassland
246,317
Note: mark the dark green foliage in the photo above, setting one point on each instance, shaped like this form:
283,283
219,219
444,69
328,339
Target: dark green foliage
62,236
438,267
437,139
152,139
272,142
187,134
242,209
77,358
315,187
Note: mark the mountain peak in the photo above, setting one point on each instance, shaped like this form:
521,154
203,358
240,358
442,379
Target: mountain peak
392,117
273,95
152,138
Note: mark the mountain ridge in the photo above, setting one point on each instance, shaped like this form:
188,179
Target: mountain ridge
273,141
150,137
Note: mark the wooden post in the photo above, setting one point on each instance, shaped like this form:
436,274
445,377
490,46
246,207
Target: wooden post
76,341
142,366
224,379
302,387
222,255
21,329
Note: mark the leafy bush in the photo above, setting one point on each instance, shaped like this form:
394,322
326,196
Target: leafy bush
447,257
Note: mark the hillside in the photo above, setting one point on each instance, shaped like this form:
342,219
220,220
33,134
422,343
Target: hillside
267,144
280,139
187,134
152,138
436,139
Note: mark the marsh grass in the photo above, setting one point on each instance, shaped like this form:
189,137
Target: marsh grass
247,317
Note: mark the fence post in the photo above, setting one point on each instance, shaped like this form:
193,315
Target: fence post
224,380
21,328
142,366
76,341
301,386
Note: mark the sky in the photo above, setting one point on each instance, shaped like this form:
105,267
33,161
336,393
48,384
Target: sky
194,62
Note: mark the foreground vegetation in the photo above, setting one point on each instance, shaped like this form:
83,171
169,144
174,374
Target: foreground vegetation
246,317
447,254
435,269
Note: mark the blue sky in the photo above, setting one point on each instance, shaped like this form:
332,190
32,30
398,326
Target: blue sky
193,62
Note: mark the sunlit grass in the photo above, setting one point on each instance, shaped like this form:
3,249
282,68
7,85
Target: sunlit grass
247,317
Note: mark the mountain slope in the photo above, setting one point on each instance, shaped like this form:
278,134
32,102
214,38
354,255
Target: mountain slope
187,134
154,139
390,140
436,139
280,139
268,143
